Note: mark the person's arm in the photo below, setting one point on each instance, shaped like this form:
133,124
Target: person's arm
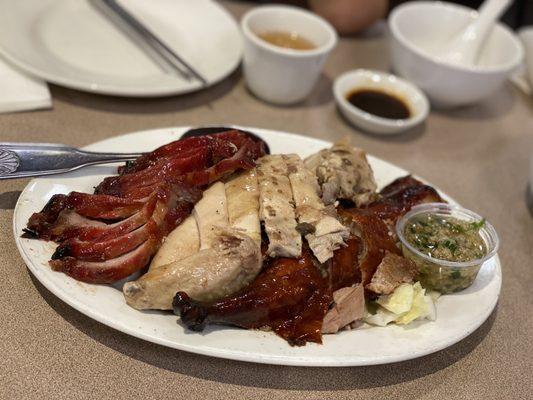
350,16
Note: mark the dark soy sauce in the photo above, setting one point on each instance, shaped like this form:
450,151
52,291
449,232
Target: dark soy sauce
379,103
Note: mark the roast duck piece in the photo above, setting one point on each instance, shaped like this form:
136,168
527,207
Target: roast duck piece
107,236
301,298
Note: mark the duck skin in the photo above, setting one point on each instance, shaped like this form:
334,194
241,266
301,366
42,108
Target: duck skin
397,198
290,297
375,239
293,296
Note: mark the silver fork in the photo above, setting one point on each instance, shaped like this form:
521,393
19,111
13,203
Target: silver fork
22,160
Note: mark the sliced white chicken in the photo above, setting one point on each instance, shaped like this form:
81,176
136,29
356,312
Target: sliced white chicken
230,264
179,244
277,208
323,231
211,212
242,194
343,172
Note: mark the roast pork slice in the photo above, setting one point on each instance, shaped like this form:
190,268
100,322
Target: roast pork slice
230,264
242,194
343,172
391,273
211,212
324,233
277,208
348,307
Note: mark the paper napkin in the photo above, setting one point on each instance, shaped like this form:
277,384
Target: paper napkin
21,92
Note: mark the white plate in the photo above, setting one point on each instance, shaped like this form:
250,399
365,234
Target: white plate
458,315
71,44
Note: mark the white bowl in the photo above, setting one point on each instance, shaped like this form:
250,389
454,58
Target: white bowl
420,28
366,79
526,36
280,75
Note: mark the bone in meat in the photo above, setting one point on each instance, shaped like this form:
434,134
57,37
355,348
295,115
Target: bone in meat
327,233
289,296
343,172
375,240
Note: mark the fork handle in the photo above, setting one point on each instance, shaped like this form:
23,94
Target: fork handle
21,160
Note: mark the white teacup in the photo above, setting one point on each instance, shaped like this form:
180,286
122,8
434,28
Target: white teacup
282,75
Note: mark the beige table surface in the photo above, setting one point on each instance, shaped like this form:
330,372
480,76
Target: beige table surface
478,155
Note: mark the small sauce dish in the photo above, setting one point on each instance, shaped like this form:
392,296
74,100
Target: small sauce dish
446,275
388,85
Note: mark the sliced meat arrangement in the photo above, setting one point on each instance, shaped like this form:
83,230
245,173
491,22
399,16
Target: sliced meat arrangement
224,253
237,138
105,258
198,160
107,236
289,296
300,299
320,226
210,214
343,172
193,209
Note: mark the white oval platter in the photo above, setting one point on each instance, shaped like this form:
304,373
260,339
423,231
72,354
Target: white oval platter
458,315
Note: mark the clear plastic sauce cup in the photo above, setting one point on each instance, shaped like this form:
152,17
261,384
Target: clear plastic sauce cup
442,275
